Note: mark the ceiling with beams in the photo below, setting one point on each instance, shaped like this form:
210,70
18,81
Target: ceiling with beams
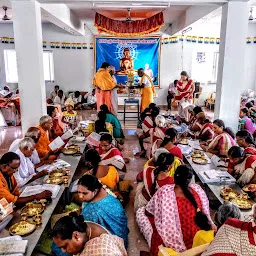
85,10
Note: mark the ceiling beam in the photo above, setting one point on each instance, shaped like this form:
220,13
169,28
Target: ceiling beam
63,17
170,2
191,15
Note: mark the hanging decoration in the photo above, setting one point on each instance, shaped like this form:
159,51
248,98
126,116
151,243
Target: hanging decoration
129,28
91,46
84,45
189,38
248,40
212,40
206,40
11,40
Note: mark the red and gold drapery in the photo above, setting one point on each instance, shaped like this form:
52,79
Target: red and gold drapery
133,28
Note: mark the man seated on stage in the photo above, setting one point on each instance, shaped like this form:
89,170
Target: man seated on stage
27,170
53,94
9,164
42,146
77,99
91,101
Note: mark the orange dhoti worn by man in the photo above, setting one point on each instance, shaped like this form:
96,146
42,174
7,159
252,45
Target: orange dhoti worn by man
42,146
104,83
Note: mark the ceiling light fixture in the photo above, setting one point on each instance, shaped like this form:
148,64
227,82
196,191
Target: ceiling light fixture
251,16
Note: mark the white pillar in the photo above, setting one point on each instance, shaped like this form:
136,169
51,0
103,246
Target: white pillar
233,34
28,44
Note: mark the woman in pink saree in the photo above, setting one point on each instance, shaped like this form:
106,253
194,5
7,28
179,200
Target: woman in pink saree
175,213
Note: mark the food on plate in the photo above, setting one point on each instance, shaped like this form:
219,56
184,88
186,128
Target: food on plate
22,228
67,151
242,203
54,180
32,209
250,188
57,173
228,193
184,141
200,161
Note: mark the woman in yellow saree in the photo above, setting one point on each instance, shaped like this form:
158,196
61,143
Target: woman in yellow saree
147,89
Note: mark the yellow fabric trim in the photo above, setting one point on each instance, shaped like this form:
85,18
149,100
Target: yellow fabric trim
102,29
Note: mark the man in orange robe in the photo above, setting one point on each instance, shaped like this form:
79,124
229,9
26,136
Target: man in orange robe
42,146
104,83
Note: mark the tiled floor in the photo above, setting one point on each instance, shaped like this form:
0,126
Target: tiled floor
136,241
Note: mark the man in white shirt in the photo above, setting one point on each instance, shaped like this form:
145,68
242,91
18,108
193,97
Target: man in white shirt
91,100
77,99
34,133
26,171
60,99
53,94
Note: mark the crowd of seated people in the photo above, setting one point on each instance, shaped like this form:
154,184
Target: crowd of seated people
170,210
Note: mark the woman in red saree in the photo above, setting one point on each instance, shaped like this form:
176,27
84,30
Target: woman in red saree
245,140
157,135
175,213
169,143
185,89
110,155
206,134
152,178
242,166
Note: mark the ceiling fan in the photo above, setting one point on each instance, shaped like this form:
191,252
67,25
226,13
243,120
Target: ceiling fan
129,18
5,15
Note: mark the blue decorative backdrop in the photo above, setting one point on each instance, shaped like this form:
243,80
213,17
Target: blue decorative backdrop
142,50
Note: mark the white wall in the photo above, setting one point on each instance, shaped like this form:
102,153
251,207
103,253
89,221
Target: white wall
74,69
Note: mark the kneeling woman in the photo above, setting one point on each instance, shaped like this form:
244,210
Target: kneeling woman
175,213
75,236
243,166
100,207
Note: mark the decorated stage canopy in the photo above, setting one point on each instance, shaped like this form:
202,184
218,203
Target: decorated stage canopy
129,54
132,28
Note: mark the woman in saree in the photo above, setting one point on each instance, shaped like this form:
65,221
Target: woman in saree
73,236
152,178
223,140
169,143
147,89
108,175
113,120
102,208
206,134
246,122
175,213
147,125
110,155
234,238
245,140
184,89
157,134
194,125
241,166
225,212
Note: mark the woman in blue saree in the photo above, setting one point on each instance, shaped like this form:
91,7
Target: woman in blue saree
101,207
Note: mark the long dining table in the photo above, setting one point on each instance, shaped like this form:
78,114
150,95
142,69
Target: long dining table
214,188
34,237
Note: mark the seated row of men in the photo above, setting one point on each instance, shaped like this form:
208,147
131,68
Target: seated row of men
86,101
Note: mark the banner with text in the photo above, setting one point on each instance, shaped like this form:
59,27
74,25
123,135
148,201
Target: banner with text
129,54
